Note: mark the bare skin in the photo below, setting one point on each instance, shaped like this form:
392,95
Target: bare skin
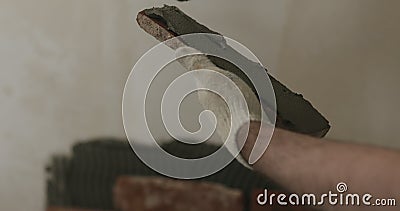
303,164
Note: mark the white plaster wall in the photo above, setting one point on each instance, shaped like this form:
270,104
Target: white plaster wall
63,67
64,64
344,56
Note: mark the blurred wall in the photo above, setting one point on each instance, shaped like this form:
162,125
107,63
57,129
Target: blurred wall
344,56
64,64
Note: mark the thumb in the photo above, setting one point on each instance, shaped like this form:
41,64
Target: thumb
254,139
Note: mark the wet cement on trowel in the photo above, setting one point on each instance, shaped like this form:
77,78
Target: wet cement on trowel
293,111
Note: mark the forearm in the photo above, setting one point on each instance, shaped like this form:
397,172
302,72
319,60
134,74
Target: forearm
307,164
304,164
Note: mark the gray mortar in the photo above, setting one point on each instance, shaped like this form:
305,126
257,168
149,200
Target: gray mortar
293,111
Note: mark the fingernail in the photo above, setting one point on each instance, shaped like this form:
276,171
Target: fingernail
241,135
244,139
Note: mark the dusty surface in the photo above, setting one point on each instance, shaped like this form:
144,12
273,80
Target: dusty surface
153,194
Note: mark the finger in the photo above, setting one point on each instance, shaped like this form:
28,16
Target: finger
255,138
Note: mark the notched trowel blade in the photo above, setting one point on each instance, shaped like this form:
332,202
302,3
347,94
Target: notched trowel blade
294,113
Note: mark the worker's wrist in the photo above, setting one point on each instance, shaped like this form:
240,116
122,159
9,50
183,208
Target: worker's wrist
276,147
253,133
